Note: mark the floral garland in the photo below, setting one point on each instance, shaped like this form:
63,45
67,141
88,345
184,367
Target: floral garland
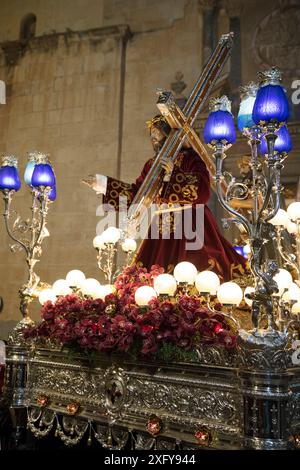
118,324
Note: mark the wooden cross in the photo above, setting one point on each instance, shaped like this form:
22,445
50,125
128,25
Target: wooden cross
182,122
177,120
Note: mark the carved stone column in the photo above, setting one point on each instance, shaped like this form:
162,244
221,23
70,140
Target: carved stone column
208,8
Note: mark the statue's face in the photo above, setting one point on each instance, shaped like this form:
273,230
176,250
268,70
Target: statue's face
157,138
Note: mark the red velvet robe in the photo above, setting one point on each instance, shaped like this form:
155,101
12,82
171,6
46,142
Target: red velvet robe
189,184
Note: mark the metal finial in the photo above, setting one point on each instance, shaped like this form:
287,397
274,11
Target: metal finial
32,156
227,38
269,77
9,160
248,90
40,157
221,103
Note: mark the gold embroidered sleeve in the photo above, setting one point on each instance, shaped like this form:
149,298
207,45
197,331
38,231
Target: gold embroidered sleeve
115,191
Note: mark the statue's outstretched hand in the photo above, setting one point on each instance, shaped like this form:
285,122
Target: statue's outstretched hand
96,182
90,181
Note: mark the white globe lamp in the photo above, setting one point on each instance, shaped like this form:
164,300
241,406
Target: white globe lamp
185,272
129,245
294,211
284,280
90,286
230,293
111,235
75,278
293,294
143,295
165,284
296,307
98,242
102,291
207,282
280,219
61,287
47,294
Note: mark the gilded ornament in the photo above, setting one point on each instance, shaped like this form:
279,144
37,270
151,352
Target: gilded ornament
42,400
203,436
72,408
154,425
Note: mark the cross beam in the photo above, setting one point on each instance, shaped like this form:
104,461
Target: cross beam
177,120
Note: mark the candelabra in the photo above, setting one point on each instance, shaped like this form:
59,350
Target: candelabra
262,117
39,176
106,245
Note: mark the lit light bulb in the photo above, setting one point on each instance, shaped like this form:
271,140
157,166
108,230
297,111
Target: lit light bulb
284,280
103,291
144,294
230,293
98,242
185,272
294,210
248,290
207,282
165,284
292,294
281,218
129,244
61,287
47,294
111,235
75,278
291,227
90,286
296,307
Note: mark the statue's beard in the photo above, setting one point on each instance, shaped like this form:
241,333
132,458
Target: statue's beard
157,146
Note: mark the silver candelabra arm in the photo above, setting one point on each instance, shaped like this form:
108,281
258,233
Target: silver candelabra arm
106,260
219,157
290,259
7,195
235,189
229,316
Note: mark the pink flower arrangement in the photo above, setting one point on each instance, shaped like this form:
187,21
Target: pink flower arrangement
118,323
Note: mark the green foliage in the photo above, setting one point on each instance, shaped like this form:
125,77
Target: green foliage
169,352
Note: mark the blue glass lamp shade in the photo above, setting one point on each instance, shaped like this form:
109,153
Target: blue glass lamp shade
219,127
28,172
43,175
271,105
52,193
244,119
240,250
9,178
283,143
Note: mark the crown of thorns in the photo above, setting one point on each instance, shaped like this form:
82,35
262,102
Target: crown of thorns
156,120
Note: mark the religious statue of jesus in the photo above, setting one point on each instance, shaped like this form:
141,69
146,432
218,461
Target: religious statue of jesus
186,186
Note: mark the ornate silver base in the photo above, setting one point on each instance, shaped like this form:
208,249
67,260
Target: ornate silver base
228,400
